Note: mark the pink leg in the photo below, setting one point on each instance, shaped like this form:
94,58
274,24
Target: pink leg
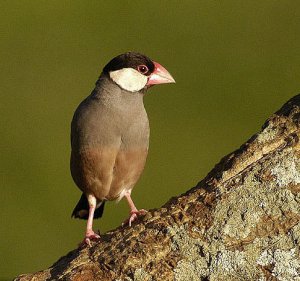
90,234
134,212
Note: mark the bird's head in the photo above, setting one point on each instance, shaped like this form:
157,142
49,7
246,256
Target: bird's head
134,72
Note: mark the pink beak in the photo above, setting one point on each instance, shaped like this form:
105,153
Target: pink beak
160,76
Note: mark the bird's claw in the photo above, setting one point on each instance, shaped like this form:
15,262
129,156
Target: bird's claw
133,216
90,235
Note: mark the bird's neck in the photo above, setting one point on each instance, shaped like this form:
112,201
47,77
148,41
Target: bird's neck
108,92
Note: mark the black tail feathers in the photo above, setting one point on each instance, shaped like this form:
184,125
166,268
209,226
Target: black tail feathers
81,211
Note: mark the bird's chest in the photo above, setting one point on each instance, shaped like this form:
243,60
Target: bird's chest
135,134
118,127
132,127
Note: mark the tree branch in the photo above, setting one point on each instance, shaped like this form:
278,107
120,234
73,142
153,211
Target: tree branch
241,222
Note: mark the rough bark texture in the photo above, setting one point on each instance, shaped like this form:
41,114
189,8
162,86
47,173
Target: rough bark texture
242,222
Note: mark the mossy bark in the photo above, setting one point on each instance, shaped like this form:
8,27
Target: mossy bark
242,222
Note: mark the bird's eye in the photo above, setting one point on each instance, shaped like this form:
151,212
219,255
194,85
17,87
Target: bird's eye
142,69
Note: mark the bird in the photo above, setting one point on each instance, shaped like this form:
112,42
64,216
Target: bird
110,136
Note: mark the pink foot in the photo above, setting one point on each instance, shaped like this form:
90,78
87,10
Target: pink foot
90,235
134,215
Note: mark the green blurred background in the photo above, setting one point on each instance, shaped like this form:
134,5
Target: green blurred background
235,63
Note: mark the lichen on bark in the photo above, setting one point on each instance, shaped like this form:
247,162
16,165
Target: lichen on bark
241,222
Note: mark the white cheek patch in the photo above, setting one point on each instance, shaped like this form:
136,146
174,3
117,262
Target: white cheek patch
129,79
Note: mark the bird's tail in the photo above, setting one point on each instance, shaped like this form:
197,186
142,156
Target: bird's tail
81,211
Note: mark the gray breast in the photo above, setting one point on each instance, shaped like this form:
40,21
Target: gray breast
108,114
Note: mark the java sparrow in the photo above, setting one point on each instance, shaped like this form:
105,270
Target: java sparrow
110,136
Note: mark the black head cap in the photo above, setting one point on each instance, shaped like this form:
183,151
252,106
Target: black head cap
130,59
